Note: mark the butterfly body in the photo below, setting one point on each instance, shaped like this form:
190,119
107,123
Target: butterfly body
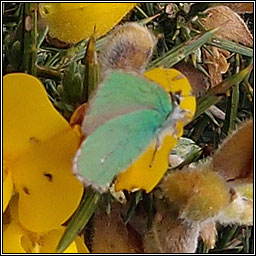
125,115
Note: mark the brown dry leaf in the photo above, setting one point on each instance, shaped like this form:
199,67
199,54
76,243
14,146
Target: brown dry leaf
232,26
208,234
218,64
233,160
170,234
239,7
197,79
111,234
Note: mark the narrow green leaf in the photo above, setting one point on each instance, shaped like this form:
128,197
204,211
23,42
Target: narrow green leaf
192,157
134,202
227,236
83,214
231,46
178,53
214,95
145,21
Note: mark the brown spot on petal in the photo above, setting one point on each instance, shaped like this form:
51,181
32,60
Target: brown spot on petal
26,190
48,176
34,140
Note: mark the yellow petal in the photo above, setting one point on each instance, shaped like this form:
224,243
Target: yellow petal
51,241
49,193
7,186
81,246
12,236
13,233
28,115
72,22
19,240
40,144
148,170
14,208
175,82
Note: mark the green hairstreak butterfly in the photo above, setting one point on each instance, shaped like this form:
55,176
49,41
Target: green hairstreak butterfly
126,113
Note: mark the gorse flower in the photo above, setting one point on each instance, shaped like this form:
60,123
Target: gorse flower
155,162
72,22
38,146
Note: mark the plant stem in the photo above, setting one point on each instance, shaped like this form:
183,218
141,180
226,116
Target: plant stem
30,38
49,73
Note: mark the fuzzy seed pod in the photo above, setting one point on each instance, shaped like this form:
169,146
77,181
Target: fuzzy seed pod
198,193
129,47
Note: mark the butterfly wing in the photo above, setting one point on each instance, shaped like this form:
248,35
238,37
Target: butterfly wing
122,93
114,146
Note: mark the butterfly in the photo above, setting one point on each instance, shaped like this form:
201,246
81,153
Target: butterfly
126,113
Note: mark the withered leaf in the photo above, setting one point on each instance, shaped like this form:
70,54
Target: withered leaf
233,159
217,64
197,79
240,7
232,27
78,115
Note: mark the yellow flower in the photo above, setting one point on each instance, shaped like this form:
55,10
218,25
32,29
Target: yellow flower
38,147
145,173
73,22
16,239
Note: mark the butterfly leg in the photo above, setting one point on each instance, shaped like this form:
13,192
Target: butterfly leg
157,147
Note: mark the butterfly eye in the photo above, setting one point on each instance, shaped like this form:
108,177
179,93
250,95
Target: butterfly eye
176,97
